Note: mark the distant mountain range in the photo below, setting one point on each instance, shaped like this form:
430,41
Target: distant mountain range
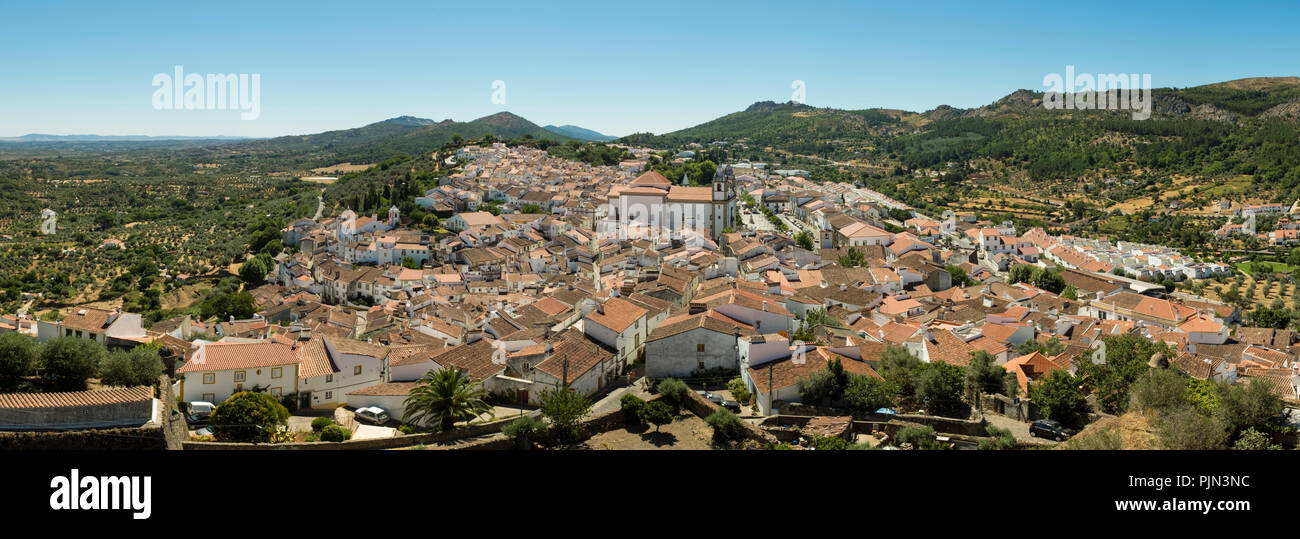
573,131
404,134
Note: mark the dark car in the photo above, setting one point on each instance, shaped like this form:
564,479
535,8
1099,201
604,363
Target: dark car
711,397
1046,428
730,405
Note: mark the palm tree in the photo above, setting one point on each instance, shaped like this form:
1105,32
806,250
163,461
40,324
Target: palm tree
445,395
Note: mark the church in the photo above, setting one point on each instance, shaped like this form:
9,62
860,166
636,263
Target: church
652,207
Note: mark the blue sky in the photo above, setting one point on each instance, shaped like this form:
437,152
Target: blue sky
616,67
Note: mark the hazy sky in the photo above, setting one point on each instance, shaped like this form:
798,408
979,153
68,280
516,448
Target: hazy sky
616,67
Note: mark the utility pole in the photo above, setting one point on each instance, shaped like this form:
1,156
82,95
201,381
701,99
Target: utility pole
771,399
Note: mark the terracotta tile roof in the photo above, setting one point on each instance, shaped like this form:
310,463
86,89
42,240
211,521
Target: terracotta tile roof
314,359
230,356
709,320
389,389
581,355
618,314
785,371
475,358
69,399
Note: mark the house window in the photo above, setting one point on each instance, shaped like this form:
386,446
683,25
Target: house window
356,371
209,397
329,394
699,348
277,372
209,377
240,376
275,392
329,378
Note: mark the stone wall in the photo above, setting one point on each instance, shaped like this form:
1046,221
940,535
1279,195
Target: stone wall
110,439
458,433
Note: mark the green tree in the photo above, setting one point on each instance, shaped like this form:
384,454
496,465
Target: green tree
805,240
139,367
853,258
565,408
1059,397
70,361
983,375
631,406
867,394
1185,429
1126,360
444,396
255,269
657,413
248,417
939,387
17,357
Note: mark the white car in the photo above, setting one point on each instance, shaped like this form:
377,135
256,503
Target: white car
373,414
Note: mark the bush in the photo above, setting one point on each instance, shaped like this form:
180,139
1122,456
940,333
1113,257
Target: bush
334,433
673,390
1159,389
726,426
406,429
71,361
1003,439
830,443
1185,428
290,402
920,437
523,430
320,423
248,417
739,390
1254,440
632,406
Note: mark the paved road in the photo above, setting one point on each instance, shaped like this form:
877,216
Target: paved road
610,402
1018,428
320,205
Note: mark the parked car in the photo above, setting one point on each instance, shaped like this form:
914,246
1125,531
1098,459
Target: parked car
372,414
199,411
1047,428
730,405
715,399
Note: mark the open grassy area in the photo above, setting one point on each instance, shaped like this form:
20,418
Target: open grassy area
1250,268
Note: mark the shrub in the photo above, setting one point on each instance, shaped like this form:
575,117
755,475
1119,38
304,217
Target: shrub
739,390
320,423
673,390
1003,439
1254,440
830,443
405,429
1185,428
726,426
248,417
335,433
917,436
290,402
523,430
632,406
